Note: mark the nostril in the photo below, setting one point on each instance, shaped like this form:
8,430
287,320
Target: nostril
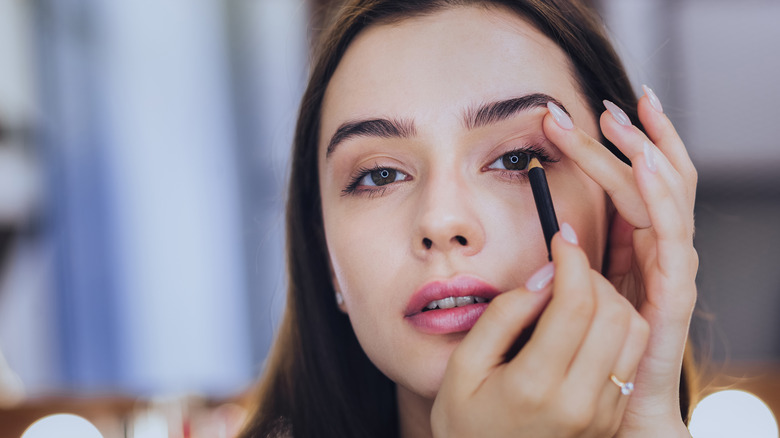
462,240
428,243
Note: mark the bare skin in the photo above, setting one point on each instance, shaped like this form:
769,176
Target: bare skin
437,202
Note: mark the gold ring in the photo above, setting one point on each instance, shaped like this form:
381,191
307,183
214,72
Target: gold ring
626,388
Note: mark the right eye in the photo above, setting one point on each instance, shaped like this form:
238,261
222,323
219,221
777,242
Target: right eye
381,176
514,160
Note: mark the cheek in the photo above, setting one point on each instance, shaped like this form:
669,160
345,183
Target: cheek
582,203
365,252
516,246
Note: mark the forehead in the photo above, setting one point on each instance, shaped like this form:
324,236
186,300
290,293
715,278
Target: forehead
435,65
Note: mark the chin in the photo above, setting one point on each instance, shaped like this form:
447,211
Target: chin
426,387
426,377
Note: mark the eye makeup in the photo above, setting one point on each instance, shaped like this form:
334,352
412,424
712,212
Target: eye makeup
543,200
514,164
379,176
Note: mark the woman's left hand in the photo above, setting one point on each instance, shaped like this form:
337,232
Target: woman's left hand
652,259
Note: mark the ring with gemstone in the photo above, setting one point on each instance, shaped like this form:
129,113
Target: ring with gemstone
626,388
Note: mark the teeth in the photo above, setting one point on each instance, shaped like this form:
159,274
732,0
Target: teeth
463,301
447,303
450,302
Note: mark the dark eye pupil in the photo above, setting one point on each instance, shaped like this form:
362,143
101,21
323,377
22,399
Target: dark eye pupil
516,161
383,176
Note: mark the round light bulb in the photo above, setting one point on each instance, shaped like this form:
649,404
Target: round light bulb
62,426
732,413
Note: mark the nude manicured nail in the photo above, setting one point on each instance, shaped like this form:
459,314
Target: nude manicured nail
541,278
568,234
650,157
560,116
617,113
654,101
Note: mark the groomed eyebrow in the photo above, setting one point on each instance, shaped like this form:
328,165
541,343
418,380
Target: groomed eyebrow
486,114
494,112
385,128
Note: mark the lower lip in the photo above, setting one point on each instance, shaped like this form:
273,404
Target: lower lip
444,321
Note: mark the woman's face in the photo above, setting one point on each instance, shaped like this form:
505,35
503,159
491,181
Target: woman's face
424,194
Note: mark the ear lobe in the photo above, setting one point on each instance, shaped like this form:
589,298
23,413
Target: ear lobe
339,296
340,302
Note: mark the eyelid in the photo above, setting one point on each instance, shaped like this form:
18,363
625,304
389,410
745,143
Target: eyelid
354,185
501,161
534,150
363,176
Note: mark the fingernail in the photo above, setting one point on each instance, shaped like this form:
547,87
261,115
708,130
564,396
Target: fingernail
560,116
617,113
568,234
541,278
654,101
650,157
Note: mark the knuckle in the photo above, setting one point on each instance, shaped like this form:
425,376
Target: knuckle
577,417
617,315
613,307
694,259
580,309
692,173
528,393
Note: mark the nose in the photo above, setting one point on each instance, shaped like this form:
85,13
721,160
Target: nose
448,222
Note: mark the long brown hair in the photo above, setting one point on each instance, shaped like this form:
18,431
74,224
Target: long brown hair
317,381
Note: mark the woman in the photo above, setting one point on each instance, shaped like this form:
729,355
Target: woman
409,196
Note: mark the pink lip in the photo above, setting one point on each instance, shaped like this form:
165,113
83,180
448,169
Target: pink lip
457,319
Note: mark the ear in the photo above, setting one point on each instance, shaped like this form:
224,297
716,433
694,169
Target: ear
338,296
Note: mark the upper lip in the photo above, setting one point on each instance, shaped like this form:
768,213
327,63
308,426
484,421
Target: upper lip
459,286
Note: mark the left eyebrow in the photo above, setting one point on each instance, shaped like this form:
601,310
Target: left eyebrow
494,112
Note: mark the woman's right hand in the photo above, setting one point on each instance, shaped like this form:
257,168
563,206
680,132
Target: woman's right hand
559,384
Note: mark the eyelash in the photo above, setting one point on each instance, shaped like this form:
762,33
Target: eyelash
533,151
362,172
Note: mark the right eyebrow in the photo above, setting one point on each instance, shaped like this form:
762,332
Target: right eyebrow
385,128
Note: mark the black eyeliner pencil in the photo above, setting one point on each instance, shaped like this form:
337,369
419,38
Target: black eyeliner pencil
543,201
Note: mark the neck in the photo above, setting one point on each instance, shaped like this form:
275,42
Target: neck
414,414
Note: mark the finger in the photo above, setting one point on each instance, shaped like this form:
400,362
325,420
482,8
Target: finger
601,165
496,330
612,398
671,295
629,357
630,140
596,358
663,134
562,326
673,228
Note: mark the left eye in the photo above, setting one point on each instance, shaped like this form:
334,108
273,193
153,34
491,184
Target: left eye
381,177
514,160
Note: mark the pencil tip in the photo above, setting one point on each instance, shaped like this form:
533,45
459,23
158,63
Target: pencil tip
535,163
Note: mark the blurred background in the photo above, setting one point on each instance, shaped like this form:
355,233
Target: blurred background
143,156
